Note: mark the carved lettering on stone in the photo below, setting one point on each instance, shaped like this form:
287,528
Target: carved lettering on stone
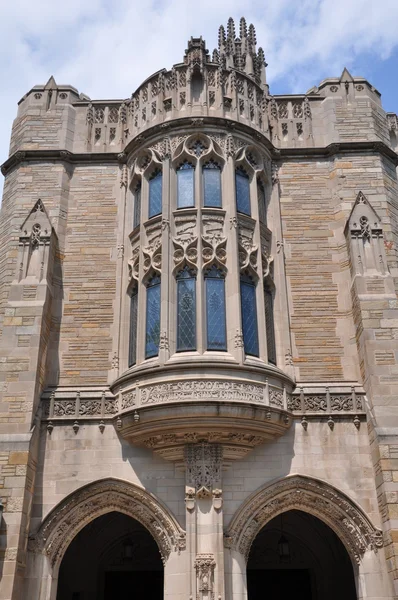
177,391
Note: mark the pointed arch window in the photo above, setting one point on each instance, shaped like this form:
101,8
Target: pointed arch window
249,315
186,310
137,205
215,309
152,326
242,191
212,185
185,185
269,323
262,202
155,194
133,326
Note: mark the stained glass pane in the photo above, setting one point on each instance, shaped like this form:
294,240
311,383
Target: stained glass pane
186,314
212,185
152,321
242,185
249,318
215,314
155,195
185,186
133,328
262,205
137,206
269,323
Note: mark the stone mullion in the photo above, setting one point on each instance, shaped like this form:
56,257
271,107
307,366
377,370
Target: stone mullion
261,324
141,319
232,284
167,265
201,337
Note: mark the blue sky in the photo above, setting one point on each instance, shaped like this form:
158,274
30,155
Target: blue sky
106,48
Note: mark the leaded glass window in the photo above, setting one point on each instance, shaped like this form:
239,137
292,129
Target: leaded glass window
212,184
137,205
269,323
155,194
215,309
249,315
185,185
152,329
262,203
186,310
242,190
133,326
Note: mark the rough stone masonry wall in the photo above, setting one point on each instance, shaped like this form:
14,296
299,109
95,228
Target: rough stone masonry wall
89,277
322,327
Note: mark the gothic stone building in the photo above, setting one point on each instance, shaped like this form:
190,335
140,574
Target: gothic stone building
198,360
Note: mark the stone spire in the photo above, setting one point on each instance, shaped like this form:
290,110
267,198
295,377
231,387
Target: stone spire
240,52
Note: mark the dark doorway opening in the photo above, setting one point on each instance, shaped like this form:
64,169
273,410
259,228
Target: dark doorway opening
112,557
297,555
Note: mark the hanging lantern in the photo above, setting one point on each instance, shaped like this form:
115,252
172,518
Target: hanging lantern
283,549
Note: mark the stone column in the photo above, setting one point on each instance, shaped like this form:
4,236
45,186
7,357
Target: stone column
235,575
371,580
204,521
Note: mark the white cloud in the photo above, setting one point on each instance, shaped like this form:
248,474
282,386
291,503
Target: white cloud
106,48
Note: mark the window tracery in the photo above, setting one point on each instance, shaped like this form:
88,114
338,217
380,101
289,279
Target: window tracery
242,191
152,327
212,184
249,315
186,185
215,309
186,309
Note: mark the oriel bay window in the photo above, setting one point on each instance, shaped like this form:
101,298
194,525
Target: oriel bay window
186,310
155,194
269,323
215,309
152,326
137,205
185,185
249,315
133,326
242,191
262,202
212,185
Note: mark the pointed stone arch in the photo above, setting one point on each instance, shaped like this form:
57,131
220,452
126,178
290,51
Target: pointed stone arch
87,503
310,495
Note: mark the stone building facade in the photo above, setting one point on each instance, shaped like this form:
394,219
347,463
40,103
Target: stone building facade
198,352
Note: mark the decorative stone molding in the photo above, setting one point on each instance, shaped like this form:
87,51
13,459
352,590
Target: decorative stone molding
213,240
324,401
314,496
204,567
95,499
203,464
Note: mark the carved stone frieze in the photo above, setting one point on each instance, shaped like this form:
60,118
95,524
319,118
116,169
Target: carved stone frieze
213,240
248,251
129,399
316,497
153,250
202,389
87,503
185,241
134,264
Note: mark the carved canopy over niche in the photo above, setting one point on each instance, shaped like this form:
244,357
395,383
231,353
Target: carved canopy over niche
35,238
310,495
91,501
365,238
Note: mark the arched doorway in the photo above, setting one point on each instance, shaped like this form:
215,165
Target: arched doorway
114,556
297,555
